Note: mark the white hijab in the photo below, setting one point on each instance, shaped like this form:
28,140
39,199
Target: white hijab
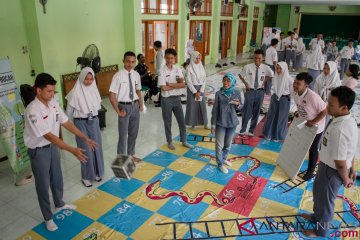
280,81
315,58
196,69
84,99
301,45
324,84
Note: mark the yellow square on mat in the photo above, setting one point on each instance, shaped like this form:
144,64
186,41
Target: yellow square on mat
266,156
280,176
208,145
146,171
30,235
199,130
197,185
99,231
307,202
149,229
187,166
96,203
139,198
179,148
266,207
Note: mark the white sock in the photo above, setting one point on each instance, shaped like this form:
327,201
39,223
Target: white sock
51,226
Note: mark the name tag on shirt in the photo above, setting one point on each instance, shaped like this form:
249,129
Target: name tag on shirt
325,141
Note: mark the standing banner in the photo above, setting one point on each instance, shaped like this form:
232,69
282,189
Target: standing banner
12,120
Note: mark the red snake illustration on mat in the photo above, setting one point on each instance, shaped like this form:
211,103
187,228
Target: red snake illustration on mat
153,187
353,208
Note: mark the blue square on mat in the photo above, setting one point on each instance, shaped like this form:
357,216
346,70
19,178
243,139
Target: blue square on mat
179,210
241,150
161,158
196,234
171,180
70,224
213,173
264,170
291,198
201,154
270,145
121,188
125,217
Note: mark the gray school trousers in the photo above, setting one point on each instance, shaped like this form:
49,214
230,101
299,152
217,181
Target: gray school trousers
46,167
128,127
344,64
290,55
326,186
171,105
252,105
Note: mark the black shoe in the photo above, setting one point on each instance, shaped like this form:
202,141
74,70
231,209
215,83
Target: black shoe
308,176
158,105
146,97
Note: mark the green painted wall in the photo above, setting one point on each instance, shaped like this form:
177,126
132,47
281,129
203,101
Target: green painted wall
13,38
283,15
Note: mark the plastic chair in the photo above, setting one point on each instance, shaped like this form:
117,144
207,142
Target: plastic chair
144,91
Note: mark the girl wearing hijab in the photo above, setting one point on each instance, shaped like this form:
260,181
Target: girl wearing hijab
196,113
314,63
224,119
83,103
299,54
327,80
275,125
351,76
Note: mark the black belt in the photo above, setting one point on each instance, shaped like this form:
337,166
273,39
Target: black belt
173,96
127,103
252,89
85,118
46,146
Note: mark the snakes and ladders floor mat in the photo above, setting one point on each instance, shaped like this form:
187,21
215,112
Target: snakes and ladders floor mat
181,194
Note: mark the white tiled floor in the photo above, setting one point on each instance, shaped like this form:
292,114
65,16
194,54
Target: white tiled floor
19,210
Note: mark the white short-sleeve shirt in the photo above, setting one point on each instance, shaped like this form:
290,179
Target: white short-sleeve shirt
271,56
281,45
249,71
315,41
40,120
339,141
120,85
347,52
169,76
292,43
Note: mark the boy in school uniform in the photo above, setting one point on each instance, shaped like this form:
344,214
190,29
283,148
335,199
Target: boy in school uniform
254,77
271,59
171,80
337,156
43,117
159,63
280,48
346,54
291,45
312,108
317,41
125,97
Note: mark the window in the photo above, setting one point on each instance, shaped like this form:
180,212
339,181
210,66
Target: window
159,6
227,9
244,11
203,10
256,12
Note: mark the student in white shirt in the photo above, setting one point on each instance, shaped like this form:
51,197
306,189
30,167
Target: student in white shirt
317,41
327,80
280,48
83,104
271,60
315,63
345,54
125,97
290,53
159,63
43,117
337,156
171,80
332,51
254,77
351,76
299,54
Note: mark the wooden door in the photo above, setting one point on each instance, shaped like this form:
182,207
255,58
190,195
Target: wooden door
254,31
241,36
164,31
196,29
225,37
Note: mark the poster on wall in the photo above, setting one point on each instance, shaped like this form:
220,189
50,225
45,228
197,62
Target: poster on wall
11,120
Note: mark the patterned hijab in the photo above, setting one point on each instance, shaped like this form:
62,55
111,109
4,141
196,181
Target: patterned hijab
228,92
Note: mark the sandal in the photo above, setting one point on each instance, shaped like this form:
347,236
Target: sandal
86,183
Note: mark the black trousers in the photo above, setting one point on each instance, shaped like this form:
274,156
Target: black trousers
314,153
148,82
